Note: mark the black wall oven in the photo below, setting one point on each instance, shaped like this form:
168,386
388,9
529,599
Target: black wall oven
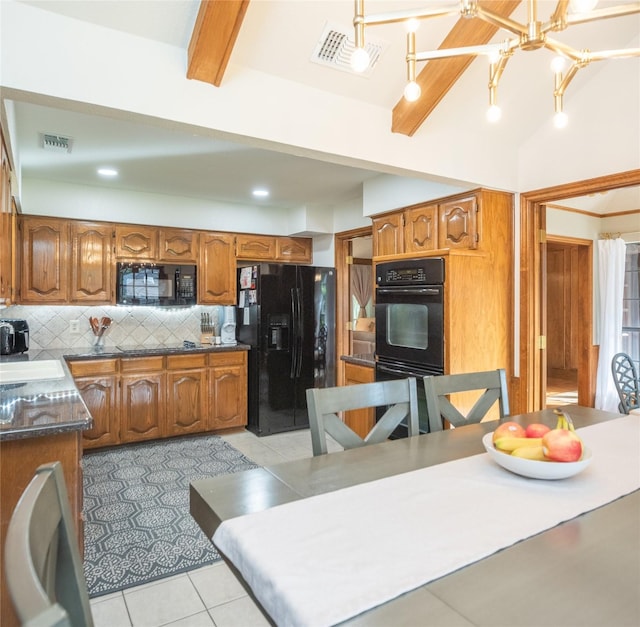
409,315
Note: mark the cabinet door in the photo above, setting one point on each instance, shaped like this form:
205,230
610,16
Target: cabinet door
421,229
217,269
45,261
359,420
228,390
142,407
178,246
256,247
91,277
137,243
101,397
459,224
186,401
388,236
294,249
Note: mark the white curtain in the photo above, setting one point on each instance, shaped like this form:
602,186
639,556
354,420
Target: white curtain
611,253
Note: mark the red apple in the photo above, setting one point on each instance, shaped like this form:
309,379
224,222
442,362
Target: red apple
512,429
562,445
536,430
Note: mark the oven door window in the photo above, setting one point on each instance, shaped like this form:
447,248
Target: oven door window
407,326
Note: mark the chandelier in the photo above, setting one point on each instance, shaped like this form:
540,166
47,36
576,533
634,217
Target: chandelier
532,35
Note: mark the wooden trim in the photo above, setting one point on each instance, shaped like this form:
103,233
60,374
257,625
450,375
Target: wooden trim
440,75
342,249
532,221
214,35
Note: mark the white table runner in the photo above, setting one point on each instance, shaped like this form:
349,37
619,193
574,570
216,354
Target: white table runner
324,559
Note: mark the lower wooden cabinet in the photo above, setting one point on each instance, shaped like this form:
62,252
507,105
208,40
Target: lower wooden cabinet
133,399
359,420
228,390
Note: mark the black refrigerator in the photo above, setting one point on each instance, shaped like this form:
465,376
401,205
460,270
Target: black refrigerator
286,313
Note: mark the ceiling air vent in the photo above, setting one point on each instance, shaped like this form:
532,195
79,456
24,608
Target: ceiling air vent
56,143
336,45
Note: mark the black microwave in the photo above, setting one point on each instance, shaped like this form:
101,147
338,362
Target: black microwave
155,285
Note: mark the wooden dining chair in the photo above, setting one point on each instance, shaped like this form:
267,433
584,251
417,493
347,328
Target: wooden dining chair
399,396
491,383
42,565
625,378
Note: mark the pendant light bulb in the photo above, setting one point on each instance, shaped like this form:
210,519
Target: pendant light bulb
412,25
558,64
582,6
360,60
494,113
560,119
412,91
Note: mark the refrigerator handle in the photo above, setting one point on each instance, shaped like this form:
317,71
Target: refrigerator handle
294,335
299,327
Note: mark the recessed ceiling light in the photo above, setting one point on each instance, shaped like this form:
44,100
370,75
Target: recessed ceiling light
107,172
260,193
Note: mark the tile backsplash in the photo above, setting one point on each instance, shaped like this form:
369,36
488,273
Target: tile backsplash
49,326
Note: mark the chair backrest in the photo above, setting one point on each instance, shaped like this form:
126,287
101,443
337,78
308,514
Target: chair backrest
399,396
440,408
42,565
625,378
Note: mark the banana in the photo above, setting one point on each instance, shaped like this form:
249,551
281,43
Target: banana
530,452
509,443
564,420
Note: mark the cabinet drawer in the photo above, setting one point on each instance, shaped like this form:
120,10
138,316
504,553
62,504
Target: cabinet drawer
181,362
141,364
95,367
231,358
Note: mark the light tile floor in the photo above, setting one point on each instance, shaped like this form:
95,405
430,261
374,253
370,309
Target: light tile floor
211,595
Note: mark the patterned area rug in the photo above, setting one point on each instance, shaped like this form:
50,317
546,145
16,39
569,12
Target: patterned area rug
136,507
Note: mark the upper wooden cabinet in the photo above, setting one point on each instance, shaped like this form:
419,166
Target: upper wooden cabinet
475,220
274,248
44,261
217,269
136,243
178,246
91,267
65,261
256,247
294,249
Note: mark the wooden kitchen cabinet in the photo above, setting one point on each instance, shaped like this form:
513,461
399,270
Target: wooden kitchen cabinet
388,234
98,383
91,267
217,269
178,246
228,389
142,398
255,247
136,243
186,394
359,420
44,261
274,248
458,226
294,249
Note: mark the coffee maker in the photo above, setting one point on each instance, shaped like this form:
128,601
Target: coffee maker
14,336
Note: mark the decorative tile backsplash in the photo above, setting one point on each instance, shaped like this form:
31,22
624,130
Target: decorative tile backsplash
49,326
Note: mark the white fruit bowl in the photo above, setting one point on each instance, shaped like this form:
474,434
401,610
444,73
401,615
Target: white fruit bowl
536,469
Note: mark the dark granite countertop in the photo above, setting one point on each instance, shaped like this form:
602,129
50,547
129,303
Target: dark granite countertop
50,406
365,359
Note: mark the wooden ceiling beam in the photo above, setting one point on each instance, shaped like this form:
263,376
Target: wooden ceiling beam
214,35
439,75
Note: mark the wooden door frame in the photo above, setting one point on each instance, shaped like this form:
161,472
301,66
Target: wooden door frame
341,251
532,232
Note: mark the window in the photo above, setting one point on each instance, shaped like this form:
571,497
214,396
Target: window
631,304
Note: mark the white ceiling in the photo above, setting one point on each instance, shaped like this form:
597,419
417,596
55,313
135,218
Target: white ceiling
277,37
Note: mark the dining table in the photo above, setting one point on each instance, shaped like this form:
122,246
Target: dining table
428,530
